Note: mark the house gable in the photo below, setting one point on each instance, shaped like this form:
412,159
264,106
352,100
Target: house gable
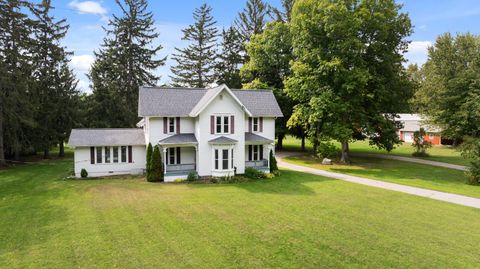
210,95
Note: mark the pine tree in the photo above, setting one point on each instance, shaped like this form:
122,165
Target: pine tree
196,63
230,59
15,66
49,58
123,64
149,158
156,166
252,19
285,14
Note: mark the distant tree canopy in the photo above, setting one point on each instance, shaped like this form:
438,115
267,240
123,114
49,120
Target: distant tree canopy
449,89
347,74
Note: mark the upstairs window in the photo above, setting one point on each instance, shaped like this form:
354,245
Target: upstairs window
171,125
255,125
222,124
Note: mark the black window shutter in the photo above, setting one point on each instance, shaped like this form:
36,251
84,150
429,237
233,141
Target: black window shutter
261,152
178,156
261,124
250,125
92,155
250,152
130,154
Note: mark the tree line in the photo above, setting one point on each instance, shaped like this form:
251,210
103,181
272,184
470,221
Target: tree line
335,67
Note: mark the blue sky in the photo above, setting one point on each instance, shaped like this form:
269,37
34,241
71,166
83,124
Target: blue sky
86,18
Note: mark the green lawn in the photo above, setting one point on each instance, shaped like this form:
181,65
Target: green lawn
437,153
293,221
406,173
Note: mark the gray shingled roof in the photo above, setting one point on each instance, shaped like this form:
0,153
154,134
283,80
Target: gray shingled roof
222,140
179,102
106,137
179,139
254,138
261,103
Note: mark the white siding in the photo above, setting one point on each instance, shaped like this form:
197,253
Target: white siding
155,128
226,105
82,161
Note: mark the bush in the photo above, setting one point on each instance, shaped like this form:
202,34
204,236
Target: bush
327,150
192,176
420,144
269,175
273,162
277,173
253,173
156,167
83,173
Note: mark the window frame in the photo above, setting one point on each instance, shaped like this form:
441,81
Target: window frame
224,125
99,155
171,124
115,157
108,155
123,150
255,124
170,155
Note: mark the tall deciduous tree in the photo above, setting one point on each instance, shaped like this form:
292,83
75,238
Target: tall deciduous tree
347,76
229,59
125,62
196,63
270,53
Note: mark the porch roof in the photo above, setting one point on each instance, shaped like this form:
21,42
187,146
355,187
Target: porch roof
179,139
254,138
222,140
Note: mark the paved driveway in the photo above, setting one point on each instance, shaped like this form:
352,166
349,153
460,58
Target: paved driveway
437,195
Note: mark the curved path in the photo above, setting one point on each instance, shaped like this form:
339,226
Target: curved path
412,160
437,195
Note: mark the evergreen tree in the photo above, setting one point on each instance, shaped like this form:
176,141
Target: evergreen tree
16,109
196,63
156,166
149,158
252,19
49,60
230,59
285,14
123,64
273,162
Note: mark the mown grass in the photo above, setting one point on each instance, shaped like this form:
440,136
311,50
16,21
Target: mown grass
439,153
293,221
406,173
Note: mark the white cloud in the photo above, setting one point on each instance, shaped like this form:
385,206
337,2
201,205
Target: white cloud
88,7
83,86
422,27
82,63
418,52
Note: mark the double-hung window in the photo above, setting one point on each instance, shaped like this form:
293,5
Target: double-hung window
171,156
222,124
223,159
255,124
255,152
115,154
99,154
124,154
107,154
171,125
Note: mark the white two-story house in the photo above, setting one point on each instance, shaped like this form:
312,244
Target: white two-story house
215,132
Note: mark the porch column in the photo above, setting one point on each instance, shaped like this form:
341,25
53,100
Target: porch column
165,160
195,159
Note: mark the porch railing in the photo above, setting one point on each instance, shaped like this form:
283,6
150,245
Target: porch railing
180,167
259,163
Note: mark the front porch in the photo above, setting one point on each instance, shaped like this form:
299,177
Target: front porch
179,156
257,150
261,165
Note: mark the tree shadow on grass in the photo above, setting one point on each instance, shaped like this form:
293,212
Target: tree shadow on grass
289,183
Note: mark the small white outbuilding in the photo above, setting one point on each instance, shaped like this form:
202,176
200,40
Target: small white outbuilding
104,152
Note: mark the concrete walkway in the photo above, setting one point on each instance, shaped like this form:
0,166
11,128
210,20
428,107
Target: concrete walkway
437,195
412,160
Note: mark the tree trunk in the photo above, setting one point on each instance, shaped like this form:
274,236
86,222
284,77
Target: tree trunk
2,149
316,141
61,150
280,141
345,158
303,142
46,154
17,152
